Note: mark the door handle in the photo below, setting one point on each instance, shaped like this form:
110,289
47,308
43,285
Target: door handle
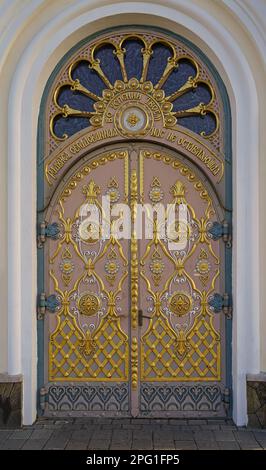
141,316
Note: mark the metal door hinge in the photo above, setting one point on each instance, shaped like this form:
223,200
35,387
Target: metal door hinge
47,231
50,303
221,230
221,303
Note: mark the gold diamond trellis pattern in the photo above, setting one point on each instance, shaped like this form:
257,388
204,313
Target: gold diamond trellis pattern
108,361
161,362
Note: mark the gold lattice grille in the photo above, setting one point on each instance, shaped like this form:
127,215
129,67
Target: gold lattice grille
160,360
108,361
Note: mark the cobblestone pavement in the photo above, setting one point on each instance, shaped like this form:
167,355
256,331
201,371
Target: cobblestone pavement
118,434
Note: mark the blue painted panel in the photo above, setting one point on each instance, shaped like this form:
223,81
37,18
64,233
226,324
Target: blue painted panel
178,77
133,58
69,125
158,62
198,124
109,63
88,78
201,94
75,99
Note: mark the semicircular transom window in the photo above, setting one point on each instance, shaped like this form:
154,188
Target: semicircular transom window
166,71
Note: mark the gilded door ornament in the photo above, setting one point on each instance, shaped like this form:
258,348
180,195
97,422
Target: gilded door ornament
135,329
156,193
96,336
133,102
180,341
88,304
89,342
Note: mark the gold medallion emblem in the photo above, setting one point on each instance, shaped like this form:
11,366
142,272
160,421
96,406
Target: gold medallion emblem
88,304
133,119
180,304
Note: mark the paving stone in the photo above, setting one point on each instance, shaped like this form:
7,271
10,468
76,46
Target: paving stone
210,427
224,436
204,436
102,434
122,435
228,445
34,444
178,422
81,435
42,434
140,421
164,436
135,434
196,422
132,426
62,435
205,445
142,444
183,436
126,445
190,427
185,445
103,422
4,434
122,421
228,427
260,436
244,436
77,445
216,421
56,444
146,435
250,446
162,422
21,434
98,445
12,444
164,445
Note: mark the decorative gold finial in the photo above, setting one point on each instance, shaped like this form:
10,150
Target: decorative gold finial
91,190
178,190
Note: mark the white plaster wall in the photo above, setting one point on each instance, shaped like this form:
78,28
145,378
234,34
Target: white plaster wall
34,35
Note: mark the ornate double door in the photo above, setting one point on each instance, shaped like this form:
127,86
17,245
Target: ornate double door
131,322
